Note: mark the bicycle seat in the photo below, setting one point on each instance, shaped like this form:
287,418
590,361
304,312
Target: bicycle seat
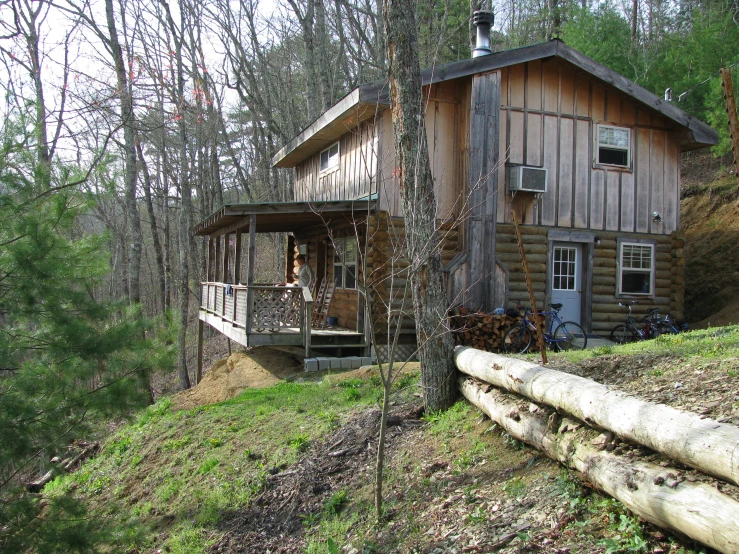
654,311
556,306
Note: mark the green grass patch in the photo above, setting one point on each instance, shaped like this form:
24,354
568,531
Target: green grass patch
712,343
192,466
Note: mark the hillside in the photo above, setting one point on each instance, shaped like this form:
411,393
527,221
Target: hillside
288,468
710,220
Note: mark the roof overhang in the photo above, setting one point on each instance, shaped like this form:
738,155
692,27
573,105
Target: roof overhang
364,101
275,217
359,105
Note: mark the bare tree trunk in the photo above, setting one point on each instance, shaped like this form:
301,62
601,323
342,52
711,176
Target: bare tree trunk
419,206
153,229
634,20
651,491
186,207
129,148
704,444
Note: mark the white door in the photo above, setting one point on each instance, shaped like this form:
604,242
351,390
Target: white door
567,279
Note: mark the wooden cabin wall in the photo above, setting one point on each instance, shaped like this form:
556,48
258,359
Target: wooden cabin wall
548,115
386,258
669,274
447,132
353,178
345,302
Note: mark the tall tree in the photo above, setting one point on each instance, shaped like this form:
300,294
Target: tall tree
123,87
185,222
419,205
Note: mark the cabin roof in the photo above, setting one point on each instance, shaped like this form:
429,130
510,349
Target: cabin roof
366,100
273,217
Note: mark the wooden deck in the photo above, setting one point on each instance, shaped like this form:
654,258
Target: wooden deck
266,315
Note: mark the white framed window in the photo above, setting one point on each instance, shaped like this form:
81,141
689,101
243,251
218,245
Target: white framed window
635,269
565,265
345,263
330,157
613,146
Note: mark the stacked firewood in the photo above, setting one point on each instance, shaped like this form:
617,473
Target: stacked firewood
480,330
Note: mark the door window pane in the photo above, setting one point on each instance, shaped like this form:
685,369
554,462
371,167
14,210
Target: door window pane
565,266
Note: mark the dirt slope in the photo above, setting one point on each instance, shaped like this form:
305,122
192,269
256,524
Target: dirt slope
710,220
256,368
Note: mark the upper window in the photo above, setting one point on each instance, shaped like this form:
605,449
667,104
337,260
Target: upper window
614,146
636,268
345,263
330,157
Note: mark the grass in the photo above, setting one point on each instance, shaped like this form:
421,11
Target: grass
187,468
713,343
165,481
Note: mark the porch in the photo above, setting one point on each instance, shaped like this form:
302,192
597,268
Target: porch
252,313
269,315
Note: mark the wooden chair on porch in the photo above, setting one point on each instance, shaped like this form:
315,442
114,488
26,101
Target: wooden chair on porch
322,303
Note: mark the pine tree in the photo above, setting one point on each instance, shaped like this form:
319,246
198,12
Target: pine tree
67,361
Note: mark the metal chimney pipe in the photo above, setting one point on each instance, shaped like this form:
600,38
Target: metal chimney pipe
483,20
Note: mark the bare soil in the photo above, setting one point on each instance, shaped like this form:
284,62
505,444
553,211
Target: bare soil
710,220
274,521
256,368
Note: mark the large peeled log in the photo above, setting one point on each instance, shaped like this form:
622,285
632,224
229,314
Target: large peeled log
704,444
694,509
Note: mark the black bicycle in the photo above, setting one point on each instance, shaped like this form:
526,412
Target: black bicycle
653,325
629,332
567,335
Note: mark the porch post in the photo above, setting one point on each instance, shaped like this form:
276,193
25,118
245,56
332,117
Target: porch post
250,272
226,252
217,264
237,259
209,260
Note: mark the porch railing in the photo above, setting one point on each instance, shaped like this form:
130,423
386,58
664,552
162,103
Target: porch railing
261,308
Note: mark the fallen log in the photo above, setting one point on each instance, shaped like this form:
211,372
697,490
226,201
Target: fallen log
66,465
652,492
702,443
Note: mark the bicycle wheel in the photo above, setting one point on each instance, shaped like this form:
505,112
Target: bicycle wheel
517,340
622,334
570,336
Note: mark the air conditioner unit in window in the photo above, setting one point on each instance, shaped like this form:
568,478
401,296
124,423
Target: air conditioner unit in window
522,178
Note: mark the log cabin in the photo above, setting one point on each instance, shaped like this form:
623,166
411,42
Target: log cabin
588,161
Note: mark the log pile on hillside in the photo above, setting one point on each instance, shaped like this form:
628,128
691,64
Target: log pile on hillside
578,422
86,450
480,330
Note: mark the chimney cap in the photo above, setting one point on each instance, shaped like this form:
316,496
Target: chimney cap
482,17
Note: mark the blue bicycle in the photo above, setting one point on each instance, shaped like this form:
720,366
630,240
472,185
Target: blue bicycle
564,335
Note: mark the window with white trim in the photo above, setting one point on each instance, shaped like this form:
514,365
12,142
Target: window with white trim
613,146
345,263
636,269
330,157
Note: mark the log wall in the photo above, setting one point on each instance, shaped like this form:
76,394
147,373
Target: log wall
669,273
549,113
345,304
385,259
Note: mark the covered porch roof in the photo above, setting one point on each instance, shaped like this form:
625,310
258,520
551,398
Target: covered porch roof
273,217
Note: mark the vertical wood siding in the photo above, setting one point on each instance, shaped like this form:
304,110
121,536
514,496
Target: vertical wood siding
447,132
549,111
355,175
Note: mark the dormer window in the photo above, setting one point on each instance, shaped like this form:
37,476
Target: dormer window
613,146
330,157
